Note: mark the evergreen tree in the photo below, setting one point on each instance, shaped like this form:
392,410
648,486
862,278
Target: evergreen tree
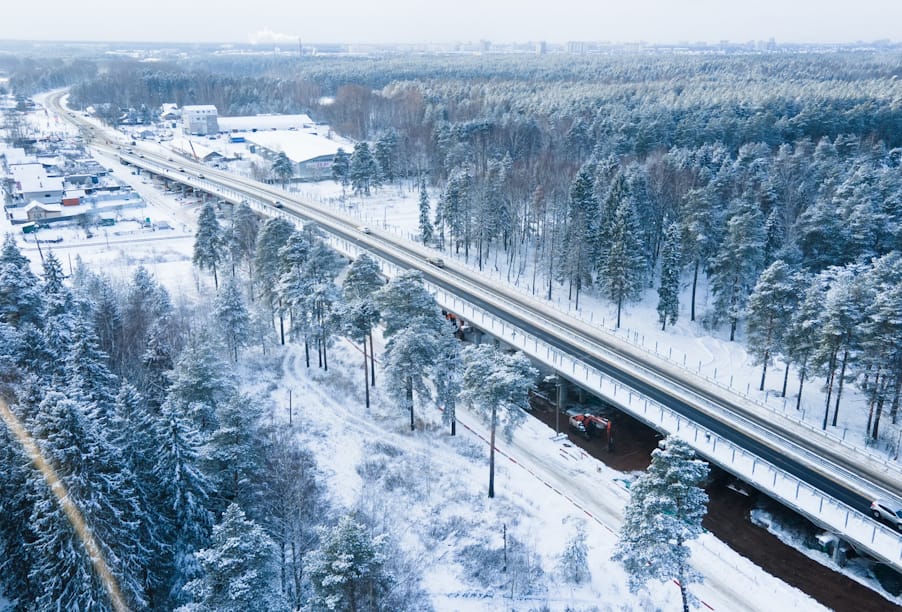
363,171
234,448
282,168
209,242
700,223
340,168
769,308
497,385
243,236
268,264
232,318
347,570
199,382
238,573
671,266
665,512
737,263
20,297
384,153
181,493
363,280
413,327
425,225
845,307
623,271
580,237
99,484
804,329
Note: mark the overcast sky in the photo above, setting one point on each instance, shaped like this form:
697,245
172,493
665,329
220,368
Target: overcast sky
419,21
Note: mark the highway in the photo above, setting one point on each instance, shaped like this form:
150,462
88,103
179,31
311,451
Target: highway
850,477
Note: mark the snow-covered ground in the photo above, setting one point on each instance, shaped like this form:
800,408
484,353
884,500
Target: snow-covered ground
434,486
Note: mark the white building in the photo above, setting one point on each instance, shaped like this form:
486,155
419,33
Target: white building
31,183
200,120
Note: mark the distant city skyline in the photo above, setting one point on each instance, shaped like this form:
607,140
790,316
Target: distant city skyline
418,22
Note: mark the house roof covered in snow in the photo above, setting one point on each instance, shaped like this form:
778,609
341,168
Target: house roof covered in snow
299,146
264,122
33,178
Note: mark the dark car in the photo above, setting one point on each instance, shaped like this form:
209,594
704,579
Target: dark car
277,204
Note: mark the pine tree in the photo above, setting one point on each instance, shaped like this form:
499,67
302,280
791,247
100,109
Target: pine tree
268,264
737,263
384,153
340,168
665,512
283,168
497,385
209,242
243,236
804,329
580,238
426,229
232,452
700,219
181,493
238,573
20,297
200,382
99,484
671,266
232,318
413,327
363,280
769,308
347,570
363,171
623,272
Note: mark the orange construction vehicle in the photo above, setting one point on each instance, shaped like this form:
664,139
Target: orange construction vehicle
591,425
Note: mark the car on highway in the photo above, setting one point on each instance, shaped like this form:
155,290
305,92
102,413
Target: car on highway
364,229
277,204
438,262
200,176
885,511
181,169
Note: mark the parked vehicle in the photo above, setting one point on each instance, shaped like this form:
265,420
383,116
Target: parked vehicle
591,425
885,511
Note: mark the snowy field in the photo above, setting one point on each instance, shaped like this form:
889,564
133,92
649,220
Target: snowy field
433,486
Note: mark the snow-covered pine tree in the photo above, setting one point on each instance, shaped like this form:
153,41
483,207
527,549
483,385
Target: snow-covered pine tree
231,317
880,339
347,570
700,217
665,512
243,237
580,237
804,328
238,573
845,308
497,385
738,261
199,382
282,168
363,280
623,270
363,171
671,267
20,293
413,327
100,485
770,307
268,267
209,242
181,495
425,225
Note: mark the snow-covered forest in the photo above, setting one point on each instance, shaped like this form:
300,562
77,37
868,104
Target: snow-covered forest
773,180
